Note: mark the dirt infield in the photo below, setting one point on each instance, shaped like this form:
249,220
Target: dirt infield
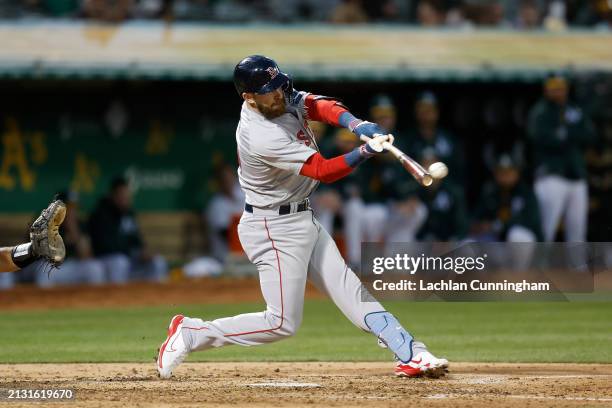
313,384
198,291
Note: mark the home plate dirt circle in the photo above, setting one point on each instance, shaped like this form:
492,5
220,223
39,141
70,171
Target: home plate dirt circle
313,384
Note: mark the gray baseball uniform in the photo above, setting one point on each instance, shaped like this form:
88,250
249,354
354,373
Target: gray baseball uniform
287,249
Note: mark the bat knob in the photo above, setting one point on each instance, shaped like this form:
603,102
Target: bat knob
427,180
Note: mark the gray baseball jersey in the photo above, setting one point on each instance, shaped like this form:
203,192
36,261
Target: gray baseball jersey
271,155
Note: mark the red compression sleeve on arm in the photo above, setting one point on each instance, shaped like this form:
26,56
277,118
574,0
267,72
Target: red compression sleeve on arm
324,110
325,170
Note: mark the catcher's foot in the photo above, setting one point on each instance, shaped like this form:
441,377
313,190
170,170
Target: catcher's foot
44,233
424,364
173,350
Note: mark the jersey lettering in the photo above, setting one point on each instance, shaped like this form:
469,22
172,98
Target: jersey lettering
303,137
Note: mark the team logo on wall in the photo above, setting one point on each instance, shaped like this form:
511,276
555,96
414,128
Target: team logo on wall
273,71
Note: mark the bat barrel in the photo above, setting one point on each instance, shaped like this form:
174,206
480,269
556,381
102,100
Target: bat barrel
415,169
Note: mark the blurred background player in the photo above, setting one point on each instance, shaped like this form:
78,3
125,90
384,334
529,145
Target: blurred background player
116,239
427,134
559,132
224,211
507,210
405,213
447,217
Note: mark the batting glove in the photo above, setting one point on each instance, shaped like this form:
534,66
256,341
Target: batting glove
375,145
363,127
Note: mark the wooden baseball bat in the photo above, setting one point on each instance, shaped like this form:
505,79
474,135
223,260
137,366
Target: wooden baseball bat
415,169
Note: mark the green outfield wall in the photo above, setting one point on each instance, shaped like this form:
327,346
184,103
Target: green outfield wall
169,166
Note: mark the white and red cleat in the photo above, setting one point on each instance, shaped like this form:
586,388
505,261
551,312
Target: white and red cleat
423,364
173,350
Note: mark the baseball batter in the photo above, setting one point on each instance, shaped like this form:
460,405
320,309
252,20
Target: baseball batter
279,167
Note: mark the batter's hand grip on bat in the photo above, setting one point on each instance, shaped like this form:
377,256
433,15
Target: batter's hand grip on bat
415,169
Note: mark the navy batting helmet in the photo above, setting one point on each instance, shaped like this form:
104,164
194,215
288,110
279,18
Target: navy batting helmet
260,75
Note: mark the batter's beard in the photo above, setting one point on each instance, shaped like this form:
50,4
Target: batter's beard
271,112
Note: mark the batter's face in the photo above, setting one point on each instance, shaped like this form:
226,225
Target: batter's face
271,105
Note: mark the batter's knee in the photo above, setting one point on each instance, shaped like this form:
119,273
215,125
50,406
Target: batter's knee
286,326
289,328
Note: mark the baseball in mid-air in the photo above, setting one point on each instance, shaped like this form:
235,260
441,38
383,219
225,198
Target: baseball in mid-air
438,170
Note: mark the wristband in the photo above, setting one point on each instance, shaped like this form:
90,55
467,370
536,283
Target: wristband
22,255
354,123
349,121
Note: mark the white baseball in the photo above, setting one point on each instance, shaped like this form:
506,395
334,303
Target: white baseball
438,170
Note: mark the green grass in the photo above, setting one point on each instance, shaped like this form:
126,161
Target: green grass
510,332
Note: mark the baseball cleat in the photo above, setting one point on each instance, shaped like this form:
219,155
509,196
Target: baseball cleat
423,364
173,350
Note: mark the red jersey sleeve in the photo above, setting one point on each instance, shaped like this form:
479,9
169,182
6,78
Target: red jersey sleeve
323,109
326,170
